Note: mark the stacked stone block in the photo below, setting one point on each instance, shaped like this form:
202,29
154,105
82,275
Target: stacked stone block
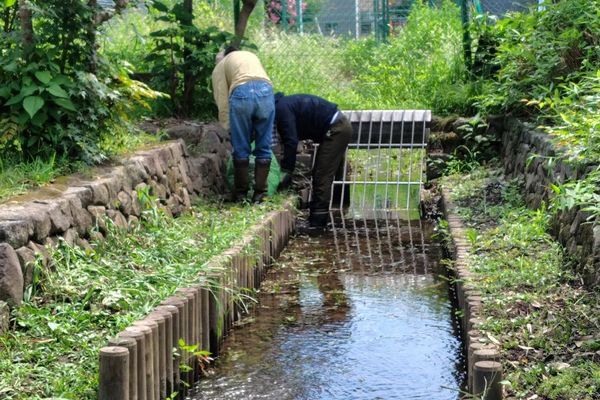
69,209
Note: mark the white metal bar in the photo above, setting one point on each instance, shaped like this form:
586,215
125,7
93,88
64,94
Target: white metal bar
397,199
393,145
381,182
378,161
388,164
366,174
412,139
342,197
355,171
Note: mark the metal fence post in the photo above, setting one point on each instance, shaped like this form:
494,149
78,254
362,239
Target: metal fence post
299,16
464,14
284,15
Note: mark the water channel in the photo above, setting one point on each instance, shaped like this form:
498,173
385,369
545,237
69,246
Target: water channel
359,312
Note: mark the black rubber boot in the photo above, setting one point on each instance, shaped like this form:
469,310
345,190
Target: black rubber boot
261,173
240,180
318,218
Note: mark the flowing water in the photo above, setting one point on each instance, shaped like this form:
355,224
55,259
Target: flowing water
362,312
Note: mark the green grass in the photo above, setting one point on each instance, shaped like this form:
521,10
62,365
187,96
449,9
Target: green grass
404,200
421,67
17,177
534,305
391,165
89,296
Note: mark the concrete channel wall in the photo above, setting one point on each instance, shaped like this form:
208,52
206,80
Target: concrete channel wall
531,155
139,362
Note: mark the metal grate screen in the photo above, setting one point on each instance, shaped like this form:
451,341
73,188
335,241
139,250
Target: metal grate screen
384,165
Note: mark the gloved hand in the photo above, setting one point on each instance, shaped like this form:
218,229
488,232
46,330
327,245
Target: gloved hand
285,180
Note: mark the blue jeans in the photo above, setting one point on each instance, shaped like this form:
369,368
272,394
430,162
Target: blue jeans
252,110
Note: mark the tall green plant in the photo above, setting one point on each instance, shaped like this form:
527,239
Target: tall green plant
182,49
539,50
420,67
56,96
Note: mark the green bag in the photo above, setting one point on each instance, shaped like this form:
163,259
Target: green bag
272,179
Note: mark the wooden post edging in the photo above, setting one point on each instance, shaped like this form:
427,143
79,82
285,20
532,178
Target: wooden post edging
145,361
483,380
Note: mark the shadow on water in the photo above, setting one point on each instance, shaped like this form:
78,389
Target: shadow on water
360,312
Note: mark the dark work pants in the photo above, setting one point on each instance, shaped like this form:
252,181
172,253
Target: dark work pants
329,158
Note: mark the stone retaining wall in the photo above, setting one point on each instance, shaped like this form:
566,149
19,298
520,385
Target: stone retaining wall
531,155
69,209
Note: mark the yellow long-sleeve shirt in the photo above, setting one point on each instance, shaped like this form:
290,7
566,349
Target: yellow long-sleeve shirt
234,70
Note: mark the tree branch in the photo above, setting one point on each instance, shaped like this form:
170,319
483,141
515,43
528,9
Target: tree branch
240,28
26,24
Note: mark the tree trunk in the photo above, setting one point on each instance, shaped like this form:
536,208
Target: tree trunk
26,25
242,23
99,16
189,80
91,37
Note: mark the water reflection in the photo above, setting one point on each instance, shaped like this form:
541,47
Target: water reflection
356,313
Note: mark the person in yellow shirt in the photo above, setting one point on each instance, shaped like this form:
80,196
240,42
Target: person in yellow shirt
244,96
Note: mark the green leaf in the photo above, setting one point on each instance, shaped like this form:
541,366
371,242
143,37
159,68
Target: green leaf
32,105
11,67
9,3
4,91
17,99
40,119
57,91
43,76
66,104
160,6
61,80
28,90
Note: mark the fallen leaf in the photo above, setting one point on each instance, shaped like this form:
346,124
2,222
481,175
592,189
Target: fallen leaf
493,339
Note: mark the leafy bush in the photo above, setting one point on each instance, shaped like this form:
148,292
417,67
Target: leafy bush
56,95
541,49
573,112
184,55
420,67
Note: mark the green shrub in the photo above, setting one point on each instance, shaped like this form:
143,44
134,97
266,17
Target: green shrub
56,95
541,49
420,67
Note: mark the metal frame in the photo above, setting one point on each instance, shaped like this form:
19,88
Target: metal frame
391,133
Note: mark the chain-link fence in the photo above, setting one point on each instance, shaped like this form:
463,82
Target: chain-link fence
352,18
475,14
501,7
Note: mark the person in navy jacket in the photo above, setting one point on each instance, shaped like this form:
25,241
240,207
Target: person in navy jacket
304,116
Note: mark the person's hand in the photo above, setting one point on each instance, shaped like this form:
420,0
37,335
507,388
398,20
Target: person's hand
285,180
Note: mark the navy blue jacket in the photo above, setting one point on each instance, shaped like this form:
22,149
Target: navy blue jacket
300,117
